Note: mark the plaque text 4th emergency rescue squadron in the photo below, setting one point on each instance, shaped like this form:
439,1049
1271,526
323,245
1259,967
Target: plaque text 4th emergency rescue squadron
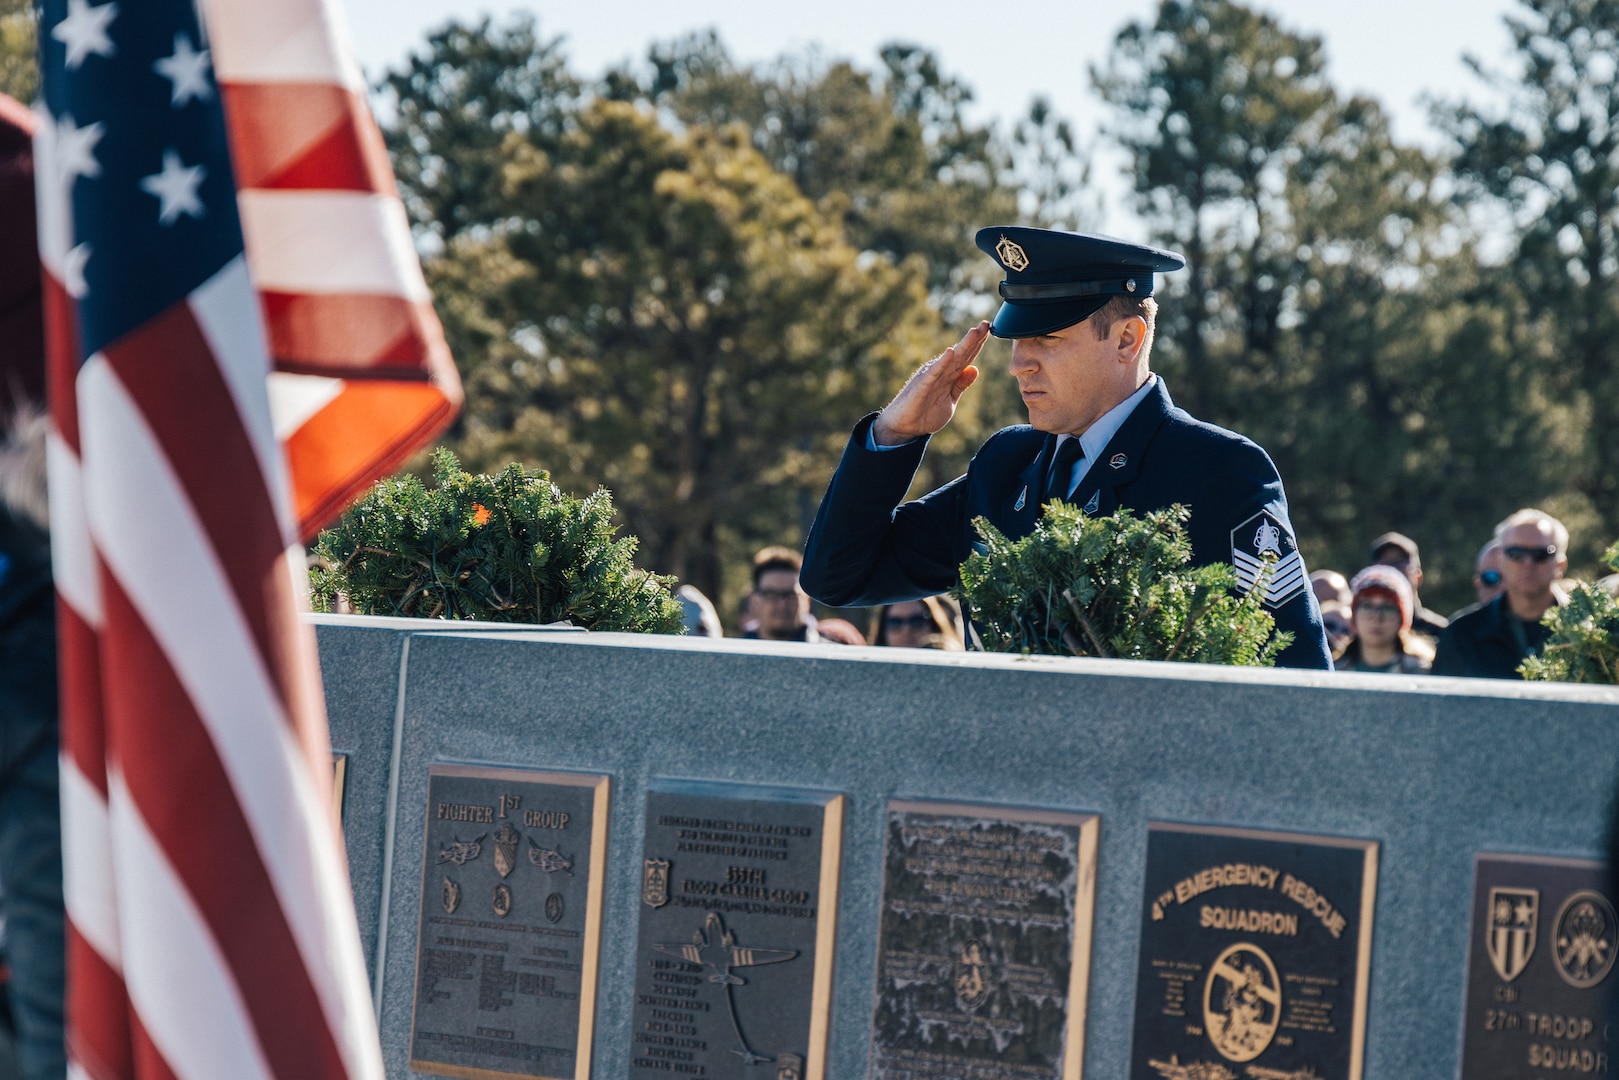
739,900
1539,969
1255,949
510,935
984,955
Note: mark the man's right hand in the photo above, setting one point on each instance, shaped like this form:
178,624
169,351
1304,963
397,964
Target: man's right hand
928,400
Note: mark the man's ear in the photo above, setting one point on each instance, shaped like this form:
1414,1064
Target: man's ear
1132,331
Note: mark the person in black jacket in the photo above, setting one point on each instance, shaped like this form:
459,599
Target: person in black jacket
30,822
1491,641
1102,434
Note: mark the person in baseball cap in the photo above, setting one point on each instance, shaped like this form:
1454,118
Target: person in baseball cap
1400,551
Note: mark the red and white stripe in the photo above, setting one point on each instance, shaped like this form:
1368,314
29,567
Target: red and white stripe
354,340
211,923
212,920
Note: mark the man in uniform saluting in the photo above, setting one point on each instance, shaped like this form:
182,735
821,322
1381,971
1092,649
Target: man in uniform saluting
1102,434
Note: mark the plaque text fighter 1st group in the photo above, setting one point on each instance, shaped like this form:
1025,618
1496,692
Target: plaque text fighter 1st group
1540,961
739,896
1255,950
984,955
510,935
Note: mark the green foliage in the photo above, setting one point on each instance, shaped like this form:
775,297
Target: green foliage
1117,586
19,67
1584,642
1547,159
508,547
677,322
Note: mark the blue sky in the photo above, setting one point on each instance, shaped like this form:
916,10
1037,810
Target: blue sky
1394,50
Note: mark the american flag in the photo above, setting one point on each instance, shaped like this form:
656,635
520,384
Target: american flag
211,928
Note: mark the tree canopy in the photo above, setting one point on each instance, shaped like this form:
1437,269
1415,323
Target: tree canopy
686,280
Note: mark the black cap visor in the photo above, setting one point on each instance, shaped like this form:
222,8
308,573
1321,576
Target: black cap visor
1031,319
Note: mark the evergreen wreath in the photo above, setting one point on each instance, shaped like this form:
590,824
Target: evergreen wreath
1116,586
503,547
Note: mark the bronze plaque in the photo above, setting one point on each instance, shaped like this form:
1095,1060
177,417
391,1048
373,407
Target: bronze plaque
739,900
510,933
1255,952
1540,962
983,959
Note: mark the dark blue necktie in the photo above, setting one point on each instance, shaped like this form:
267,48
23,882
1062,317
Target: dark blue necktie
1062,470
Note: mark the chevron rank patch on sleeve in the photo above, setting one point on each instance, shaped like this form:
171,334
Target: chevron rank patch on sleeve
1261,536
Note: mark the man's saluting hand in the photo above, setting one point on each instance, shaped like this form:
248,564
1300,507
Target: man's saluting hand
928,399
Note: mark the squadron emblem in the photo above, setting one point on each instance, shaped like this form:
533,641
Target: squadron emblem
655,882
971,975
1584,936
501,902
1242,1002
550,859
506,849
1262,540
790,1067
1510,940
1011,255
461,852
451,896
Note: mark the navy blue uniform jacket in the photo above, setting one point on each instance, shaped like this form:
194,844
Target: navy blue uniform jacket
865,548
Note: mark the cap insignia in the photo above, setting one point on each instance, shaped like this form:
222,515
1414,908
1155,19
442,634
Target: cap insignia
1012,256
1130,285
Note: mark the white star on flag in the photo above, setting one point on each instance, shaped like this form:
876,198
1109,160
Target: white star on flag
187,69
84,31
175,188
75,150
73,271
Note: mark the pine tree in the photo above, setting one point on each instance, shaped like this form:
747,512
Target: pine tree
507,547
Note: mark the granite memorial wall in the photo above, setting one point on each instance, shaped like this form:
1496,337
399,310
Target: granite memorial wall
626,856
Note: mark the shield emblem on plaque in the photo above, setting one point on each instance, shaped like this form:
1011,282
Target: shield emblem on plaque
1510,939
505,849
655,882
789,1067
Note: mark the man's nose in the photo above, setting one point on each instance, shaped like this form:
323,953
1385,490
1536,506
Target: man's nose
1022,360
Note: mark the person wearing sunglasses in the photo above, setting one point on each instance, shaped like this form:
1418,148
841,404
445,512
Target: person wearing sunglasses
1384,641
933,622
1487,579
1490,642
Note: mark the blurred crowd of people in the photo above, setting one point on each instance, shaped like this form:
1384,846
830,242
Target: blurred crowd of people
778,609
1375,619
1376,622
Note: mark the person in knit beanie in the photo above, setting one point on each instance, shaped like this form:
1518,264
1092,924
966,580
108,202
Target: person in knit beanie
1383,607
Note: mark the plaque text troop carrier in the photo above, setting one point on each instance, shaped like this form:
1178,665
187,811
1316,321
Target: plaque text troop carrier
1255,950
983,958
739,898
1540,960
510,934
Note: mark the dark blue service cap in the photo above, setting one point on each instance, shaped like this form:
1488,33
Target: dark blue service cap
1056,279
